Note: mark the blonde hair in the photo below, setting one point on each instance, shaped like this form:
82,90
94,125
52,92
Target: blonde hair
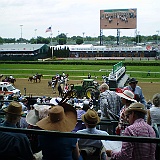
104,86
156,100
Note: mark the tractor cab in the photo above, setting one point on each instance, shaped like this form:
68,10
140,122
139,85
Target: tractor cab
88,87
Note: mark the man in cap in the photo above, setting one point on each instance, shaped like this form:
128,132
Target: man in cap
135,114
14,145
91,119
136,90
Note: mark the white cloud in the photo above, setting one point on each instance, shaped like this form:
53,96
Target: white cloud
71,16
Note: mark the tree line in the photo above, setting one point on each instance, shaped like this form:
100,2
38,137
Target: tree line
63,39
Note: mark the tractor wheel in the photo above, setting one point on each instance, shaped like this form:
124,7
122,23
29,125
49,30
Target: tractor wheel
89,92
74,93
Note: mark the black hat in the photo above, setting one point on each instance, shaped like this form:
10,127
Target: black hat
133,80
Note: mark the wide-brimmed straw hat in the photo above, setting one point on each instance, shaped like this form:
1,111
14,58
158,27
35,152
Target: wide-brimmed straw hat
55,101
14,108
60,118
136,107
127,94
91,117
39,112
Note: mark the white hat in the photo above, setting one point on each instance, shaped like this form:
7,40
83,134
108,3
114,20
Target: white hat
38,113
127,94
55,101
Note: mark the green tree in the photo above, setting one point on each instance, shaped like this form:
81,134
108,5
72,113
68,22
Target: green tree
79,40
1,40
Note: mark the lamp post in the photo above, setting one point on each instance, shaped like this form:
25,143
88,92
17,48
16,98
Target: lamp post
157,36
58,37
35,35
138,37
66,37
21,32
83,36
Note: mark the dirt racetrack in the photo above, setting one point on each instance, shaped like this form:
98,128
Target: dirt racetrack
42,89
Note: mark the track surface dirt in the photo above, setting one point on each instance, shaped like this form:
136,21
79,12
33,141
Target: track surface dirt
42,89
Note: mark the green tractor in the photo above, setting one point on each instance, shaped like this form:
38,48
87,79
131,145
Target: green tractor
88,88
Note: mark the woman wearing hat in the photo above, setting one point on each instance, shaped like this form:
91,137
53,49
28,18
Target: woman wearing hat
127,97
14,145
154,111
135,114
62,119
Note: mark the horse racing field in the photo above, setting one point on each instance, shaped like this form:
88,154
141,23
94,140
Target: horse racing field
150,84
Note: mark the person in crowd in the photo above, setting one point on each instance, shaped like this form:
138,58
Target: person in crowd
153,115
80,125
14,145
89,76
135,114
127,97
61,148
110,105
24,103
91,119
39,112
136,90
109,102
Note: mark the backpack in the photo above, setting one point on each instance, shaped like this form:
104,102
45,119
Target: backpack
92,149
157,153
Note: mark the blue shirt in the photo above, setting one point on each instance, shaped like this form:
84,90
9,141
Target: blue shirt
59,148
138,91
14,145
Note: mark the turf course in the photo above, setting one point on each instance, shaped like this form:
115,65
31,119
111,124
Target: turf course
78,71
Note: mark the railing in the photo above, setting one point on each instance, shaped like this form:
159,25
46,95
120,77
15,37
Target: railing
84,136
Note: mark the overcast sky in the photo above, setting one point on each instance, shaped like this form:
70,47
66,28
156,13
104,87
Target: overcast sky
72,17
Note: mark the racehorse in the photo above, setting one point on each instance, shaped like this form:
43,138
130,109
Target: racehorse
8,79
38,76
12,80
32,78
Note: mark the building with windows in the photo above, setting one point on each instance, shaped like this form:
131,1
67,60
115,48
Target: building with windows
23,51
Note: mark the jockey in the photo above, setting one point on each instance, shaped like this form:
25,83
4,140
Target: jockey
63,74
11,77
66,88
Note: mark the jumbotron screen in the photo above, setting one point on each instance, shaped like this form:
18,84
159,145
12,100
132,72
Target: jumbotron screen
118,19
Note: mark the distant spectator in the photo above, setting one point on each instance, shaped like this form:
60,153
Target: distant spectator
136,90
89,76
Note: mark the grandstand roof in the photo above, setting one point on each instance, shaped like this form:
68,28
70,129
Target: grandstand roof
20,47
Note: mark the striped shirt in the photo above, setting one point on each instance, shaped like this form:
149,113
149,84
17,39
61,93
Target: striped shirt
134,150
